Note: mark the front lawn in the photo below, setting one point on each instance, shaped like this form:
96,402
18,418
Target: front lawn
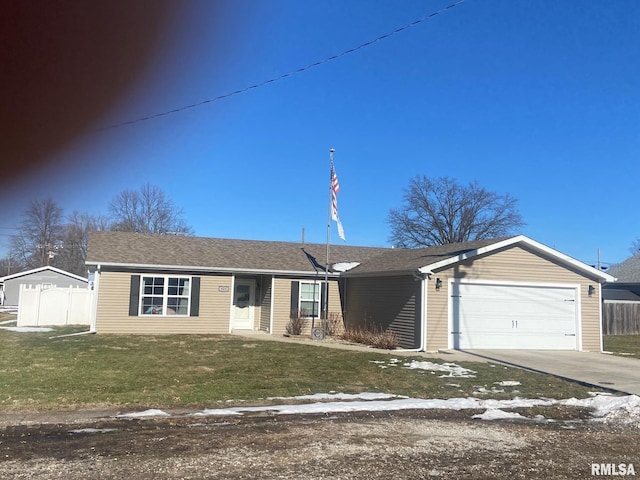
627,345
38,372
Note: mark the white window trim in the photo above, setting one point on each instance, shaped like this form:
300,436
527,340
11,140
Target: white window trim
165,296
319,285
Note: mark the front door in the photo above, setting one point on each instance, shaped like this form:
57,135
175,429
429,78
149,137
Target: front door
243,304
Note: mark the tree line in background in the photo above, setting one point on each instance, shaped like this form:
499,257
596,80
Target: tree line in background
48,236
435,211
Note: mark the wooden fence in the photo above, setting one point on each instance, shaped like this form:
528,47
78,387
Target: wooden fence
620,318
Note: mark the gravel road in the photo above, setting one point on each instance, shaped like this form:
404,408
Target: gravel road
399,445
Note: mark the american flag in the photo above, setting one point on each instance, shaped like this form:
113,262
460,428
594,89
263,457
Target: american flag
335,188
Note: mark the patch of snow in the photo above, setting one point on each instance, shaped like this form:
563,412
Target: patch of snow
147,413
6,322
93,430
380,405
497,414
606,408
451,369
508,383
27,329
341,396
485,391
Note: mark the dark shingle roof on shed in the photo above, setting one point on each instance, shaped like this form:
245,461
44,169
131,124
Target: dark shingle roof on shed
135,249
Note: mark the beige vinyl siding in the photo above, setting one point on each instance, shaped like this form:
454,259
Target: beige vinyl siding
513,264
386,302
112,315
265,302
281,297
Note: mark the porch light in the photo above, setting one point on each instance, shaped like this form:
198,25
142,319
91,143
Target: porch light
591,290
438,284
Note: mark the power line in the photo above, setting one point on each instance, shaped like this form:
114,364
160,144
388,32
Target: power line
288,74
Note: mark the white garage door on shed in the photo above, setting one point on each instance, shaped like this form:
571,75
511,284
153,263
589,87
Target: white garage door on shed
490,316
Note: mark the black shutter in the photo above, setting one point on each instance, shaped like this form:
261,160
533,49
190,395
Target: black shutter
324,292
134,295
295,295
195,296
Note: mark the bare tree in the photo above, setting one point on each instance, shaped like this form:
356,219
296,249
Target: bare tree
147,210
39,234
635,247
441,211
73,255
10,264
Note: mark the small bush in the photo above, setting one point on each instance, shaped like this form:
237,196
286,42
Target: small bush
375,337
297,322
334,324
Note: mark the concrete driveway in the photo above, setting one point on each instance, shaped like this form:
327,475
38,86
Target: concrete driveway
597,369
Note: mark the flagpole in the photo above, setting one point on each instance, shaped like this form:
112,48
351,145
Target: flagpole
326,270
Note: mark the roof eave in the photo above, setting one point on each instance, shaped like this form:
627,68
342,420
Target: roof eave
40,269
520,239
190,268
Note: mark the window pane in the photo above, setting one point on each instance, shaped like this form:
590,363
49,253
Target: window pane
178,286
310,291
152,305
153,285
184,287
309,309
177,306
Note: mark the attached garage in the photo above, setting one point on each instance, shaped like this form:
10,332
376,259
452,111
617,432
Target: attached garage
493,316
512,293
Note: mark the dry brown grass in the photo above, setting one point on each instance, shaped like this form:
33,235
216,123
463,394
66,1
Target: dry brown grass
374,336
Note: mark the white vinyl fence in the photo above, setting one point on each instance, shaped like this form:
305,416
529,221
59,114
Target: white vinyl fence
40,306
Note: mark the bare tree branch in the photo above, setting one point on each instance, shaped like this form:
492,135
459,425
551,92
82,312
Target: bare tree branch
441,211
40,231
147,210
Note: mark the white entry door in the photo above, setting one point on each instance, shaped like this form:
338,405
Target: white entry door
489,316
243,304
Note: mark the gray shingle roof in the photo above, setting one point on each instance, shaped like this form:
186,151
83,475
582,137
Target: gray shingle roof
405,260
627,271
214,253
135,249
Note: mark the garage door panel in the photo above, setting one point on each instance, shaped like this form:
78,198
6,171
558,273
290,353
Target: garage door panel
501,316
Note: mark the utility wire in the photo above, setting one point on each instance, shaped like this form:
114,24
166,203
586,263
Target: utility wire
288,74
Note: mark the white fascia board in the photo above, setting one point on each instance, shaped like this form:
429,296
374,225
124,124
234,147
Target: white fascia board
42,269
605,277
142,266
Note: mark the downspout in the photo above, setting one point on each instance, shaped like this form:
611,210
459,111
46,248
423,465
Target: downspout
94,300
273,287
231,312
599,319
422,278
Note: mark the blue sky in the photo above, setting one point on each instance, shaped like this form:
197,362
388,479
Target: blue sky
540,100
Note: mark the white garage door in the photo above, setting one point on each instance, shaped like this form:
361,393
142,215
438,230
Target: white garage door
520,317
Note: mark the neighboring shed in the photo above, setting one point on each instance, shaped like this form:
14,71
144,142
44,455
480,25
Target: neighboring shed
511,293
45,276
621,299
154,284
